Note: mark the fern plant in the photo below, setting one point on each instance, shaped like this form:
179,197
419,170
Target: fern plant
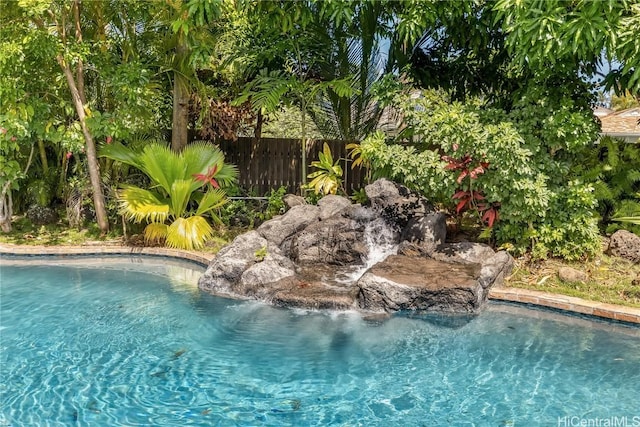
613,168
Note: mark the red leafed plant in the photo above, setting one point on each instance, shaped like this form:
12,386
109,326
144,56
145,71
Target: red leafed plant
208,178
469,199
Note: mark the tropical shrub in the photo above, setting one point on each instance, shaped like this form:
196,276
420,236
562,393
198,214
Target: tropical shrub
249,211
613,168
327,179
186,186
511,168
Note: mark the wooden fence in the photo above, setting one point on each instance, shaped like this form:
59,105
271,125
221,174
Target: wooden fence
270,163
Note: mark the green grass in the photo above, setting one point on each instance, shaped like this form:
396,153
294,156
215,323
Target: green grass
609,279
25,233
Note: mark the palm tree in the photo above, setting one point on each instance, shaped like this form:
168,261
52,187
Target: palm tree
187,186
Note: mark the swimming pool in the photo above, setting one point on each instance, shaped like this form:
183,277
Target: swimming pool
126,343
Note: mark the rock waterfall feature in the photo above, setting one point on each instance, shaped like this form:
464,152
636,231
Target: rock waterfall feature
389,256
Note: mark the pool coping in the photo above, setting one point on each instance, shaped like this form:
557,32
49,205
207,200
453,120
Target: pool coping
516,295
202,259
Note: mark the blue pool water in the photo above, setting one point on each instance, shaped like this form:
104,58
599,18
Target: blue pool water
121,343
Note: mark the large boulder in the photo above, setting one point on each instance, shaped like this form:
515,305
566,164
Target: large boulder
396,203
463,252
281,227
410,283
625,244
291,200
338,240
428,231
495,269
331,204
271,269
231,262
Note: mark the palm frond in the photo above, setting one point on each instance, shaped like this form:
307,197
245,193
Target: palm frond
162,165
121,153
180,194
155,232
629,219
212,199
202,157
139,205
189,233
199,156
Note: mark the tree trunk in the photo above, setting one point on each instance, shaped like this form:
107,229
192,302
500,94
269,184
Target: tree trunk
6,202
92,159
43,157
6,208
257,132
180,122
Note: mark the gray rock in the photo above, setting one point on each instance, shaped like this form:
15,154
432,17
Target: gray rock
396,203
414,249
291,200
294,292
332,204
260,280
338,240
408,283
428,231
571,275
464,252
495,269
625,244
231,262
279,228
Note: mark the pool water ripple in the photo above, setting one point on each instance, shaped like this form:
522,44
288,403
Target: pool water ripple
117,345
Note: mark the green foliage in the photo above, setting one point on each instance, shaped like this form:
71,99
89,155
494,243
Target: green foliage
186,187
248,210
556,33
524,157
360,196
327,179
612,167
261,254
275,204
286,123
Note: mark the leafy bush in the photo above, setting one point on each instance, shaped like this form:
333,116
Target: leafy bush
525,156
249,211
327,179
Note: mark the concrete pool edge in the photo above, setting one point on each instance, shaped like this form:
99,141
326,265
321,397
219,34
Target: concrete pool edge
566,303
523,296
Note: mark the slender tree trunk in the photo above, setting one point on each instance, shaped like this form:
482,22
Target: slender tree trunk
43,156
6,208
180,122
92,158
257,132
6,201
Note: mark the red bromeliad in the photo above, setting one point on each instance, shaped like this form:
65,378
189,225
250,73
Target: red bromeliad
468,199
208,178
